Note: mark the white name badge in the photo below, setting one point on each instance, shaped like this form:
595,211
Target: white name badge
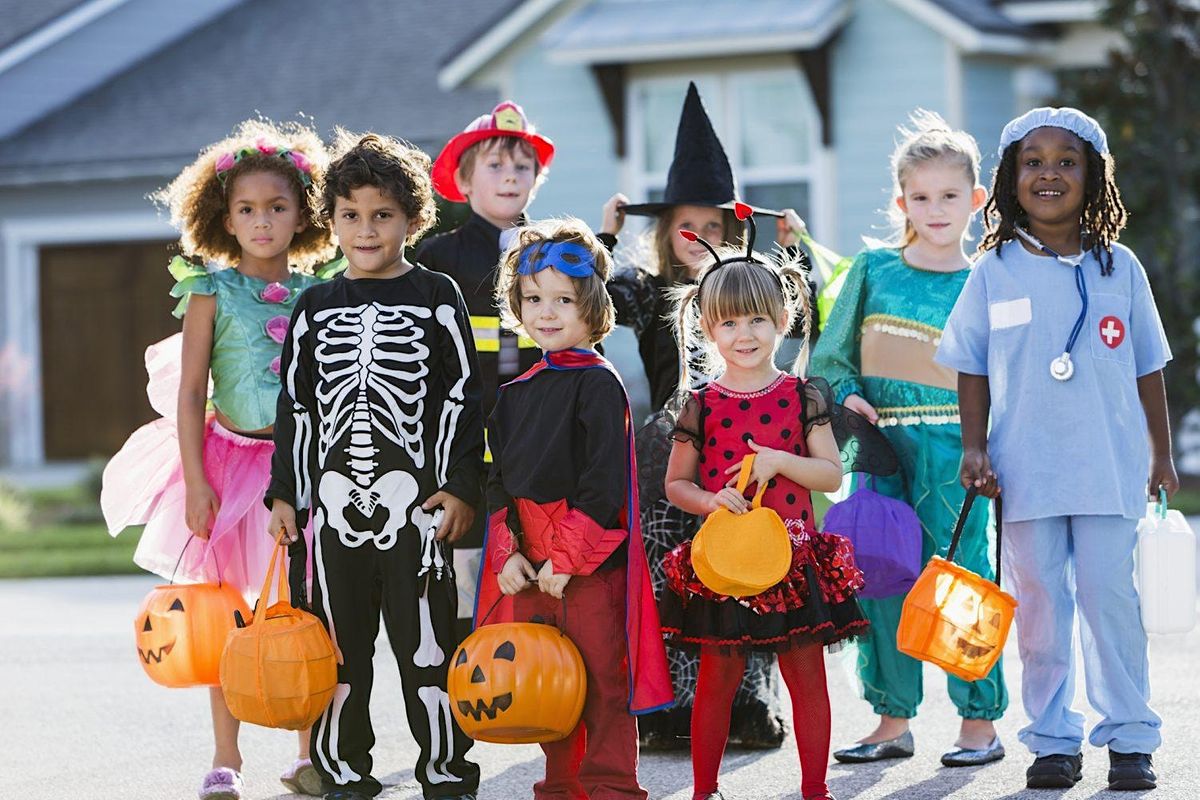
1010,313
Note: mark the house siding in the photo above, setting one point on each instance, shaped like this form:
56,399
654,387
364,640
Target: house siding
564,102
885,64
989,102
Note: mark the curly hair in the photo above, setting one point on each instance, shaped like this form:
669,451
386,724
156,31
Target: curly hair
595,305
776,288
394,167
198,201
1101,220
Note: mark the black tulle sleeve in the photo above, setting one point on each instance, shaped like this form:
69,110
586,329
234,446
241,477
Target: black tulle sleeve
863,446
687,427
654,441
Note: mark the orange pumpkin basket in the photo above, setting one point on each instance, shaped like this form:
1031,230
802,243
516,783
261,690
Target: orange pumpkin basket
281,670
741,555
517,683
954,618
180,630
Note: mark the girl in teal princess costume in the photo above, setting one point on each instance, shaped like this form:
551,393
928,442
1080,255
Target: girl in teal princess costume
877,351
246,202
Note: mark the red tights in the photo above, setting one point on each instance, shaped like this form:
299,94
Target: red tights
803,670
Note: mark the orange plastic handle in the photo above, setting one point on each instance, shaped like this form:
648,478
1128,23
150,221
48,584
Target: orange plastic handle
744,481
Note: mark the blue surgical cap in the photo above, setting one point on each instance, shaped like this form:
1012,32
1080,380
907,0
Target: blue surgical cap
1071,119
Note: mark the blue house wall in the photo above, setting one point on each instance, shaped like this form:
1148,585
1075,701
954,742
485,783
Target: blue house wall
564,102
885,64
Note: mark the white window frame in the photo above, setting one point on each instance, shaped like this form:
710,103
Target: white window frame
723,111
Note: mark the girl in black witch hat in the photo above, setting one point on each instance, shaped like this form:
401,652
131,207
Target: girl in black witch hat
699,196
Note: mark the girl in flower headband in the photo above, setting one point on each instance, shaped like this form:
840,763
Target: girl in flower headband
196,479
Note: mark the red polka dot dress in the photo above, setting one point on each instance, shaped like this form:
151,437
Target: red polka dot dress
815,601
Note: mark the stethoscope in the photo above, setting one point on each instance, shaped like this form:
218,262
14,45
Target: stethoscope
1062,368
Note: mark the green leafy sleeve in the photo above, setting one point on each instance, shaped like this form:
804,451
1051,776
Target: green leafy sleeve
836,357
190,278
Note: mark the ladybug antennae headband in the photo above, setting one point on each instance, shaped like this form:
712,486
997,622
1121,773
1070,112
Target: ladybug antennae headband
746,214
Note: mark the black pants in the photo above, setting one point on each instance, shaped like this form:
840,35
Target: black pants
351,586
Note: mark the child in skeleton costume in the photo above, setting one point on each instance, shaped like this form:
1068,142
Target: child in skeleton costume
194,477
380,437
495,165
699,196
563,544
877,354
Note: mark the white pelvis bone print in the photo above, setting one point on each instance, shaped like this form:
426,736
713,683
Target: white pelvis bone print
371,365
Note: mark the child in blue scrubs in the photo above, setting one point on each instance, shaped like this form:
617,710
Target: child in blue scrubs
1056,336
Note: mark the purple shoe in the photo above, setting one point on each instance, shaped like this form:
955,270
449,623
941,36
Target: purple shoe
222,783
302,778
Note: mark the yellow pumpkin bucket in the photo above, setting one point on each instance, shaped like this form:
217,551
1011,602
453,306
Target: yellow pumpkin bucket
281,670
741,555
955,618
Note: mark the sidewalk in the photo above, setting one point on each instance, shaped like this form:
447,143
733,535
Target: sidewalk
83,722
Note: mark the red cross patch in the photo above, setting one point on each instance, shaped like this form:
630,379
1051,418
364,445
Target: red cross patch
1112,332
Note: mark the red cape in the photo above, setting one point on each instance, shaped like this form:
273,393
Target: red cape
649,676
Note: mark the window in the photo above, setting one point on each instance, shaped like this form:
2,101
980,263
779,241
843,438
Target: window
766,120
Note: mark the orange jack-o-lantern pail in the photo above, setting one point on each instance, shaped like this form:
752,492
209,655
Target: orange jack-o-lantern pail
741,555
180,630
517,683
281,670
955,618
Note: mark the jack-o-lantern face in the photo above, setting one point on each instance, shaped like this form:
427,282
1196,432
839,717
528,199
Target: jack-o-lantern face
517,682
181,629
507,651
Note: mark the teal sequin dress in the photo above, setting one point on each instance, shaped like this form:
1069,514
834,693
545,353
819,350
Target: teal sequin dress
879,343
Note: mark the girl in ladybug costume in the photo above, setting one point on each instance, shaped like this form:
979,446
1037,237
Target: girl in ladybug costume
563,543
739,310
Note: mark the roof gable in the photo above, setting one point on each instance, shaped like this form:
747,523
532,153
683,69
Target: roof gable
277,57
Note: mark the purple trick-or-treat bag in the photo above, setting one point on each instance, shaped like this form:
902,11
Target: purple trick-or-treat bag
887,539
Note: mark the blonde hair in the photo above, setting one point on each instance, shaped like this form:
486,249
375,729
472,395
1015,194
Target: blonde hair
662,236
198,200
929,139
595,306
776,288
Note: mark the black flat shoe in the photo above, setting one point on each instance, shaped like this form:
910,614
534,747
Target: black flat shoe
1054,772
1129,772
962,757
900,747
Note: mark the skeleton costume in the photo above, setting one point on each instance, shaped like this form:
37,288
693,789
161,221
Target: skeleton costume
379,410
570,500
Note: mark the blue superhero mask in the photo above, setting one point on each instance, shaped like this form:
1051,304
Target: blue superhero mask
569,258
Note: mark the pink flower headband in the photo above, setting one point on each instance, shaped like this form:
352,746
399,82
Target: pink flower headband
226,161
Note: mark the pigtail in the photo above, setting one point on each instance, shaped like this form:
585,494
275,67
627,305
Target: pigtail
683,299
798,301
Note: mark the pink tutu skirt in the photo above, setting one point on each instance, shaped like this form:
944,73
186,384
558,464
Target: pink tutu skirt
143,485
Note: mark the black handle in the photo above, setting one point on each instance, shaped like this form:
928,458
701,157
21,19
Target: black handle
561,628
972,493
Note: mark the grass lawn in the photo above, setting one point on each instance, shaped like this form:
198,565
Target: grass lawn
59,532
65,550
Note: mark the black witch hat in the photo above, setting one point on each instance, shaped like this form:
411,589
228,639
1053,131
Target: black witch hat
700,174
